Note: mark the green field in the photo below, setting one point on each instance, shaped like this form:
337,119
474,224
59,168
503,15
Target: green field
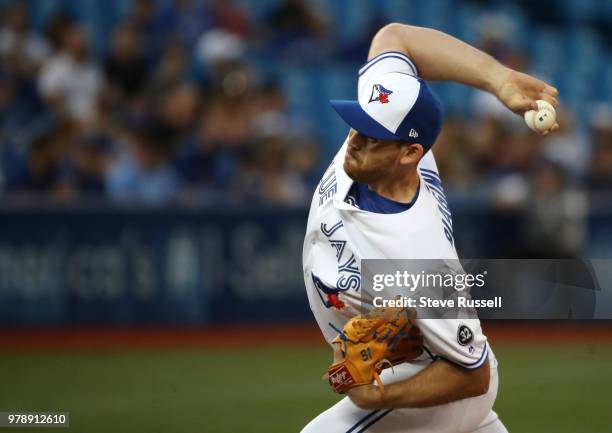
543,389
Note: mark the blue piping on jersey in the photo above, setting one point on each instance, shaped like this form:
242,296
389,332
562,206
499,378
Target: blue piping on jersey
339,331
430,171
362,420
380,55
381,416
431,355
472,366
481,360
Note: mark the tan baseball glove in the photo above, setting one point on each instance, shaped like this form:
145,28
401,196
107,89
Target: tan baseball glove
369,343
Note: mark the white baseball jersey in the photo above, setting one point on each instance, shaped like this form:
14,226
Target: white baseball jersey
339,236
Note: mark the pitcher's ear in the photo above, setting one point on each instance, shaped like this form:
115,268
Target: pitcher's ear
411,153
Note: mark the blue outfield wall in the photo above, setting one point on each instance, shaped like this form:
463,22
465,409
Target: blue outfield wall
179,267
143,267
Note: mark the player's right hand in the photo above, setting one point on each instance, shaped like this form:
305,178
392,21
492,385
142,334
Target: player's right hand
519,92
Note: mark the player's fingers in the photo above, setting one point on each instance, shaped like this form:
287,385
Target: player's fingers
550,99
533,105
550,90
338,355
522,104
552,129
532,84
544,87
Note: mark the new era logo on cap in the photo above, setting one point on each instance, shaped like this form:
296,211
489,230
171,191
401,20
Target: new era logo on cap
394,106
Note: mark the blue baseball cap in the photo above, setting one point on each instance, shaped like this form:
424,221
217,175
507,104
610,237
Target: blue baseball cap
394,106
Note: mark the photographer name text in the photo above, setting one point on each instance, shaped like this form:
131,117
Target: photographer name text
427,302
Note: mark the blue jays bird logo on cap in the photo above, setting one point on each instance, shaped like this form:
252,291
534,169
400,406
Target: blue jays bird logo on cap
380,94
408,111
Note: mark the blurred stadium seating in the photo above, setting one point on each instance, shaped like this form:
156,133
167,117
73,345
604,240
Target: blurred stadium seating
571,47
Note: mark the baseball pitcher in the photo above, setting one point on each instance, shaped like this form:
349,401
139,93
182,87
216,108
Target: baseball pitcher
382,198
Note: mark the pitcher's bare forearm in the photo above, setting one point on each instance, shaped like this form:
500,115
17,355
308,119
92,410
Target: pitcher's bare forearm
439,56
442,57
442,382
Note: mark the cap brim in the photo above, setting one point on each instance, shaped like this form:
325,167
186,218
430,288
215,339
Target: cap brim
352,113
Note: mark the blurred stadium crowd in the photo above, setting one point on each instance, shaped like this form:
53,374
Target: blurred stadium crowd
221,101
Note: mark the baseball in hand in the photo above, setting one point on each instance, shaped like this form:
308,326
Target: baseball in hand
542,119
